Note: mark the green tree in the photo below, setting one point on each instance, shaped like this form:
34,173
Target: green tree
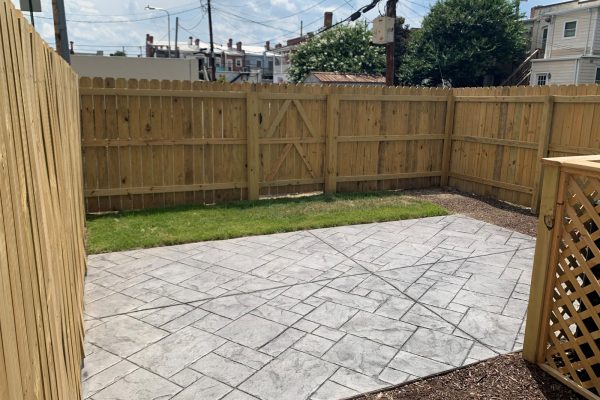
464,43
345,48
401,38
119,53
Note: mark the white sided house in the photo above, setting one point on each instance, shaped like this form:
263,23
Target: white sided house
568,36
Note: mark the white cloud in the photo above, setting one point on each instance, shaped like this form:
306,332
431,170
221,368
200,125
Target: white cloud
285,4
91,36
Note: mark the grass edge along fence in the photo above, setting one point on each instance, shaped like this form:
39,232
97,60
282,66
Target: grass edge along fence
42,259
563,317
151,144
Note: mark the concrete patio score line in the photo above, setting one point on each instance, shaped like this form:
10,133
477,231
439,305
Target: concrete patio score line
320,314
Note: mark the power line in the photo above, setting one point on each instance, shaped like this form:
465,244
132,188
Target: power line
412,11
128,14
239,17
417,4
320,18
193,27
367,7
121,21
245,5
352,17
298,13
302,11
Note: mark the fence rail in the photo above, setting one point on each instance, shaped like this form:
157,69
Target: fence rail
157,143
42,258
563,322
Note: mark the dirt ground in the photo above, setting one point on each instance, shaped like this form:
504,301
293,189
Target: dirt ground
506,377
495,212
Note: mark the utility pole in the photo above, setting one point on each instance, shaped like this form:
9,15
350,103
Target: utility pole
390,11
176,37
212,45
301,27
60,29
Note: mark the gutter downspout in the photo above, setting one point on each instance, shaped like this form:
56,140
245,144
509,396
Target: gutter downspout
550,43
577,70
587,40
594,30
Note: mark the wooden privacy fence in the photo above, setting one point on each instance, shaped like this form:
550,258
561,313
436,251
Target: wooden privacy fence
151,144
42,260
563,323
501,134
157,143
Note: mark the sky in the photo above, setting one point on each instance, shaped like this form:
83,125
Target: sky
111,25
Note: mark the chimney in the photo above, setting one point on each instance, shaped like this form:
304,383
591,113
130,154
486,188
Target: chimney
71,47
238,46
190,40
327,19
149,47
230,43
197,42
267,45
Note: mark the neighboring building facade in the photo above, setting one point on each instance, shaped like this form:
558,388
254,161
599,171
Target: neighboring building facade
261,59
134,67
283,63
232,63
336,78
568,36
280,71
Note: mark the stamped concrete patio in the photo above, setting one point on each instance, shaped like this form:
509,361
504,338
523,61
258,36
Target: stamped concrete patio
321,314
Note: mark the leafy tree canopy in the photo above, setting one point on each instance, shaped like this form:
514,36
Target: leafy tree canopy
464,41
401,40
345,48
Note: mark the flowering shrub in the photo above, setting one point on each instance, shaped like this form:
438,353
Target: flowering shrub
345,48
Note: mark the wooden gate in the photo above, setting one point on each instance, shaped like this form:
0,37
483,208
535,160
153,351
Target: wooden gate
291,142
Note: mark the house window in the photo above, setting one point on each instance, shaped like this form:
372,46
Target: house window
229,65
238,62
544,37
258,64
570,29
542,79
598,75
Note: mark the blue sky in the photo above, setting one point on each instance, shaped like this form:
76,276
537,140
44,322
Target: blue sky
110,24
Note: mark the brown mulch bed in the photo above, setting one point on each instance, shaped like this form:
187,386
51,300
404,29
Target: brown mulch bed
504,377
493,211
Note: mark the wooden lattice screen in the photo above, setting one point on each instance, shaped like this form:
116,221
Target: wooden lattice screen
563,327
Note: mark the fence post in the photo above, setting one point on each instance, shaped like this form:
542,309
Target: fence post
543,143
448,131
331,145
548,222
253,145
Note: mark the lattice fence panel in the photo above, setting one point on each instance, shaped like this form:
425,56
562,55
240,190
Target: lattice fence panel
574,320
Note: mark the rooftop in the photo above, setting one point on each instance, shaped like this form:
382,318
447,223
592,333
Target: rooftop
192,48
338,77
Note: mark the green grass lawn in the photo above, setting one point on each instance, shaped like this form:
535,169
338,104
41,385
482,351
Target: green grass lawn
151,228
